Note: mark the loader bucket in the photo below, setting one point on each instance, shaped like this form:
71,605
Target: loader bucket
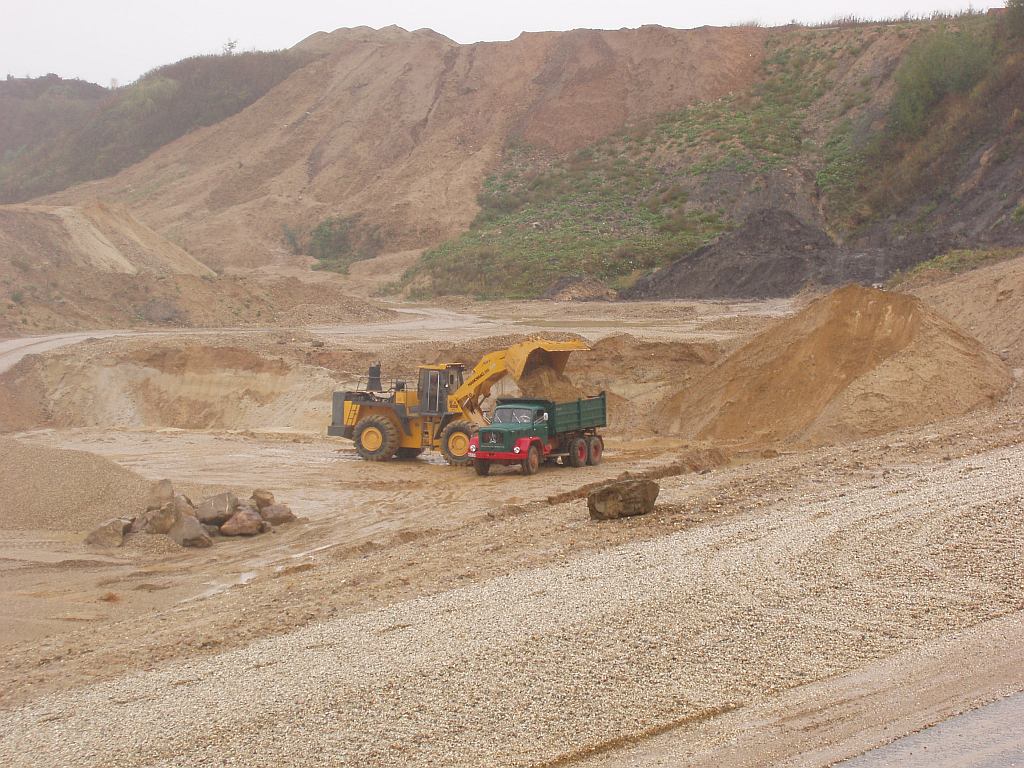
526,356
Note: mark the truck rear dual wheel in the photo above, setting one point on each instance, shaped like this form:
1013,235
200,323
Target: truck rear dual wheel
577,452
532,461
455,442
376,438
595,450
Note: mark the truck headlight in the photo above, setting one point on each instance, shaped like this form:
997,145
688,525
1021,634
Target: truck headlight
472,448
516,449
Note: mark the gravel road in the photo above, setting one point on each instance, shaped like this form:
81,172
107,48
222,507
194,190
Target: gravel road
545,664
987,737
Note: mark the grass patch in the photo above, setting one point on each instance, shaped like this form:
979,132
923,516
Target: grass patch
622,207
336,242
951,263
944,62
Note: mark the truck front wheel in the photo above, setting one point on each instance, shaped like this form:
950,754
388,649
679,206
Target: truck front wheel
577,452
532,461
482,467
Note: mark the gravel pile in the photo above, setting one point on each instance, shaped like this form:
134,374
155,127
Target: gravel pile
538,664
59,490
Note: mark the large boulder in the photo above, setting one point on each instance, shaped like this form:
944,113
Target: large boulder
162,492
187,531
261,498
111,533
625,498
275,514
245,522
218,509
156,520
183,506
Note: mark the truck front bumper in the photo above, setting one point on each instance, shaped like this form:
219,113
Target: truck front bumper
498,455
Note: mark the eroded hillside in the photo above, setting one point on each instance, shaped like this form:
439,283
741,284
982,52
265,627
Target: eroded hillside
398,129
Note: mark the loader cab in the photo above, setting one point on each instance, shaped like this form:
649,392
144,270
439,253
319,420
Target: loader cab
436,384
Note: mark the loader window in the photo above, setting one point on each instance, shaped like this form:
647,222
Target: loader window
433,392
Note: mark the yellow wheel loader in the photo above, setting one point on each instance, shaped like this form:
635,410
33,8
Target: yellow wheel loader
443,410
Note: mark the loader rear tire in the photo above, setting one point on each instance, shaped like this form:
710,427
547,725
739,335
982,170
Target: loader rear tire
455,442
376,438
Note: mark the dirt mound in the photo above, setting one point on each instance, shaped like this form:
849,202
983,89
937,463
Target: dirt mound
545,383
190,386
638,374
580,289
856,362
401,128
989,303
51,489
773,254
95,266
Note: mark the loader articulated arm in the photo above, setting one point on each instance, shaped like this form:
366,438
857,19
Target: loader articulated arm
517,361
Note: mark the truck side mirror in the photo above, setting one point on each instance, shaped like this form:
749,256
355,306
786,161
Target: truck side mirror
545,416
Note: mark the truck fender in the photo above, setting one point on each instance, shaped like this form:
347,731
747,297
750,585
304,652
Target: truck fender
524,443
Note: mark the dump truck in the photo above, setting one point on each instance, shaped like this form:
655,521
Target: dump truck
442,410
528,432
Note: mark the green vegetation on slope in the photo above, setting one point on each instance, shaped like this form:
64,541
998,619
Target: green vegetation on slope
945,62
624,206
51,137
948,88
336,242
949,264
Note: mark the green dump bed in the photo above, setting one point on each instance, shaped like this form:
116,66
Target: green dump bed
578,415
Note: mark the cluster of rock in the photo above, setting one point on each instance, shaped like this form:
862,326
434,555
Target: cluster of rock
624,498
191,525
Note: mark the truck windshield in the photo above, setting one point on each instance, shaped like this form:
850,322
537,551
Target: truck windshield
514,416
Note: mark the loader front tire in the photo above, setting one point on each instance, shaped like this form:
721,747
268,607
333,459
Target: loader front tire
376,438
455,442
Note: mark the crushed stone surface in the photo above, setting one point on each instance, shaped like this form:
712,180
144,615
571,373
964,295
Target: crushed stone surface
533,665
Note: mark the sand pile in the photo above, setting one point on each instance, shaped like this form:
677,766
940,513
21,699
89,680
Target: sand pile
53,489
545,383
989,303
637,374
139,384
856,362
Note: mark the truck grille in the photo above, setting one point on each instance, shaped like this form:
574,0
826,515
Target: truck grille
491,439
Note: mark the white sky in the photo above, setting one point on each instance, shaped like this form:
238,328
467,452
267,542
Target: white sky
98,40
